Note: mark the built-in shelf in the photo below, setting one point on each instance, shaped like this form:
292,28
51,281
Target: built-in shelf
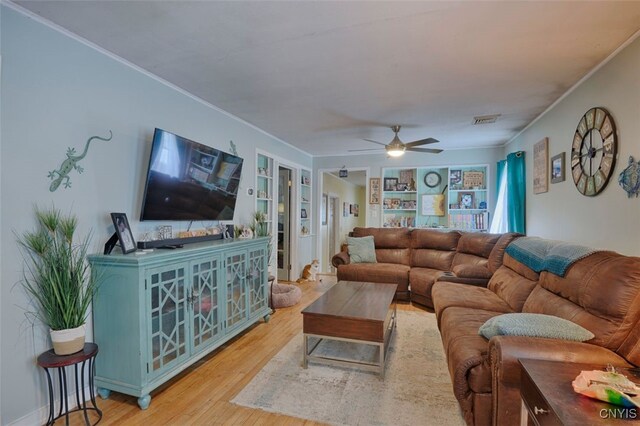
467,190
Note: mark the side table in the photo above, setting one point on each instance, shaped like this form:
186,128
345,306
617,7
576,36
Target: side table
549,399
86,357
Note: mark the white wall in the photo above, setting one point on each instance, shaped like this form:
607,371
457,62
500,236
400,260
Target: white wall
346,193
610,219
56,92
375,162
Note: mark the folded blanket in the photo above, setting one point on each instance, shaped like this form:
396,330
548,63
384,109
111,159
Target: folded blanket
547,255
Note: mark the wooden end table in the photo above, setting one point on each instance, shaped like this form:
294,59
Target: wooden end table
359,312
49,360
549,399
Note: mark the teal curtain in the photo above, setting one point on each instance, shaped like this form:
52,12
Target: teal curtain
516,191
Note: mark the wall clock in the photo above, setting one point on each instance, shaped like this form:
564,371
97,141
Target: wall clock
432,179
593,152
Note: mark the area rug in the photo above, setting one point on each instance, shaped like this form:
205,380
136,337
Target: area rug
416,388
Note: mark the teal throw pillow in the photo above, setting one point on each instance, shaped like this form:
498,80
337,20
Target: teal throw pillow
534,325
362,250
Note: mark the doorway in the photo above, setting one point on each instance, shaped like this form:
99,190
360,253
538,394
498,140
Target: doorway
284,224
333,228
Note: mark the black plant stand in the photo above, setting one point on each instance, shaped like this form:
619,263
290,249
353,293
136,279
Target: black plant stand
49,360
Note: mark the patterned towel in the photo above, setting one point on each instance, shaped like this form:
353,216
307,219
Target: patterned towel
547,255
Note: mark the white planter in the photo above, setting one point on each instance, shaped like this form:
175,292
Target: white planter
68,341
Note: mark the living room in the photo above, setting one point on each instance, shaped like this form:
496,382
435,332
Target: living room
59,89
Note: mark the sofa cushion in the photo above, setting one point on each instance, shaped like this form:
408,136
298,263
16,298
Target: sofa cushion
393,245
534,325
433,249
511,287
471,271
361,249
601,293
377,273
446,295
496,258
422,280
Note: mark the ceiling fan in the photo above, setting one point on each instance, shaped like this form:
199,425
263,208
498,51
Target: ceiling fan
396,147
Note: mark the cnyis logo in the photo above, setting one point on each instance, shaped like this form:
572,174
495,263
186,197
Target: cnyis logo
619,413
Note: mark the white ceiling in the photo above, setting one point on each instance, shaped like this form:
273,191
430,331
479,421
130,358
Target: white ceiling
324,75
357,177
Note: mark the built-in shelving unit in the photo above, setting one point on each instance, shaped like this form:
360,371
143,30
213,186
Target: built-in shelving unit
454,197
306,208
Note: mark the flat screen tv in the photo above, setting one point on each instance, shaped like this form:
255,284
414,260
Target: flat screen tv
189,181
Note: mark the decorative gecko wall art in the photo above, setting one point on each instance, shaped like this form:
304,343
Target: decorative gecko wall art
71,163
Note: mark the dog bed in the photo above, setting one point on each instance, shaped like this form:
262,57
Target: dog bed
283,295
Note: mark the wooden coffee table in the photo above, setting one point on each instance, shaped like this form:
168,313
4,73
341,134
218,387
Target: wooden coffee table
350,311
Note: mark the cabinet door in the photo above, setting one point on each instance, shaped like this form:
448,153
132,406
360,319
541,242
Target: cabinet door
205,303
236,277
167,307
257,279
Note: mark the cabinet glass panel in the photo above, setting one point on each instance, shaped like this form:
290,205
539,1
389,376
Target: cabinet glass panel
257,275
236,289
168,305
204,301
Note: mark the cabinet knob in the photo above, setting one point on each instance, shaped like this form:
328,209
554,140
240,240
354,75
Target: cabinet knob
537,411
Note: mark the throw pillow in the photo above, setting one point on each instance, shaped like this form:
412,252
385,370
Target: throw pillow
362,250
534,325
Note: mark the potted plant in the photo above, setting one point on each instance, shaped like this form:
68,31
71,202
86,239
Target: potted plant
58,279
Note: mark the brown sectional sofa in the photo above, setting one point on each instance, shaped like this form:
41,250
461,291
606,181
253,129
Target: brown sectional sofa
600,292
416,258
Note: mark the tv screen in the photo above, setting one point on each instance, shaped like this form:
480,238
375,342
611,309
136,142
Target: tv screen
189,181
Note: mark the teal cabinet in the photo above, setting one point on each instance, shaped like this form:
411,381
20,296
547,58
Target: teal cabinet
157,313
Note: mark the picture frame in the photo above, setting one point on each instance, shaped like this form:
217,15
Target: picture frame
350,208
390,184
374,191
395,203
356,210
303,213
345,209
123,230
558,168
408,204
466,199
401,186
406,176
323,209
540,166
386,204
455,177
229,232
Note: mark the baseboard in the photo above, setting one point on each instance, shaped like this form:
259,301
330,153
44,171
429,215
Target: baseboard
40,415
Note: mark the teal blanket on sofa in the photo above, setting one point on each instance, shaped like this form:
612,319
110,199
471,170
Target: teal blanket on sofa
547,255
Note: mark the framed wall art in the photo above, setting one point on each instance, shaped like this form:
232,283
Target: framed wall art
540,166
374,191
390,184
557,168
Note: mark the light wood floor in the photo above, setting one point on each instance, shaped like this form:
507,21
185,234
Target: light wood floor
201,395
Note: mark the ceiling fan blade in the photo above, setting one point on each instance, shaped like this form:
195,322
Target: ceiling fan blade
379,143
368,149
429,150
426,141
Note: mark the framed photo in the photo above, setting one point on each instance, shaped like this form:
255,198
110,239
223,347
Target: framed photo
390,184
386,203
408,204
395,203
356,210
557,168
465,200
229,232
345,209
401,186
406,176
455,177
323,209
350,208
303,213
540,166
120,222
374,191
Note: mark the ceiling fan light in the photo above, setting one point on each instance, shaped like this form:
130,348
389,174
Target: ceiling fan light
395,152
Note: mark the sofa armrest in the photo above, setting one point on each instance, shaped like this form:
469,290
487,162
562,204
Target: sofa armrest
504,352
452,278
472,271
341,258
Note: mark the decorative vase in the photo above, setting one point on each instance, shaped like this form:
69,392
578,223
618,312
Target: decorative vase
68,341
